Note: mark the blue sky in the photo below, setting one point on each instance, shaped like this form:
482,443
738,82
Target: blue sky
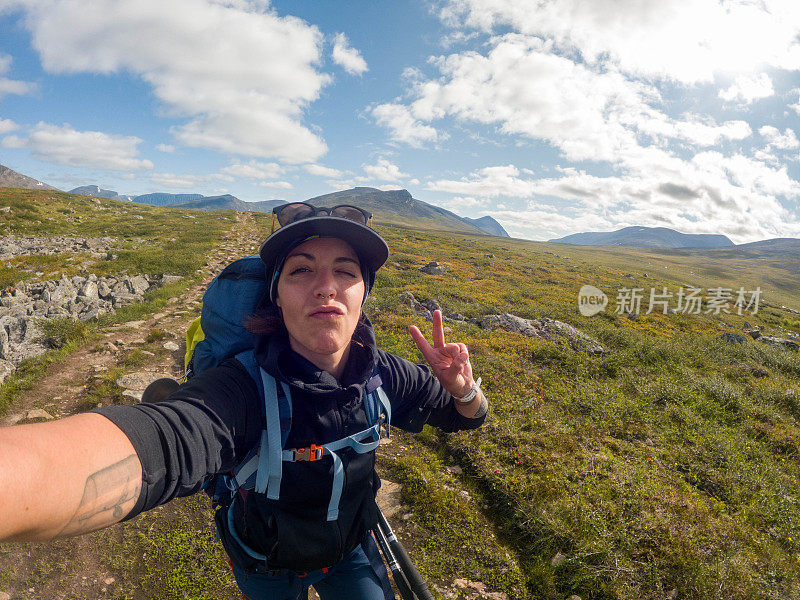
552,116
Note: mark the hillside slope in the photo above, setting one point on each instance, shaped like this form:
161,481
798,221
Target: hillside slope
11,179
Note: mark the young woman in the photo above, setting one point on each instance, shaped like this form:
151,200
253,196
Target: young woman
92,470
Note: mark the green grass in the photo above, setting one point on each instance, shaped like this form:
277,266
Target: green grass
666,463
169,558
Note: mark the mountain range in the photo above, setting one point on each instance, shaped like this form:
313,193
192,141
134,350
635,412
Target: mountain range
646,237
394,207
398,207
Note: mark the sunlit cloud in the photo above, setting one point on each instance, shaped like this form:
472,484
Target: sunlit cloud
346,57
64,145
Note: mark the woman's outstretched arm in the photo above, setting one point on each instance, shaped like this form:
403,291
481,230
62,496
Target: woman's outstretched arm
65,477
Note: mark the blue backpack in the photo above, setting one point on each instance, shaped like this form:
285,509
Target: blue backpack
230,299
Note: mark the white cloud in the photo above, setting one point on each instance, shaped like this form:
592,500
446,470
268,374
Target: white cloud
278,185
747,88
489,182
171,180
524,88
457,203
7,125
404,127
254,170
673,39
346,57
64,145
741,197
782,141
384,170
795,107
188,180
165,148
321,171
238,72
12,86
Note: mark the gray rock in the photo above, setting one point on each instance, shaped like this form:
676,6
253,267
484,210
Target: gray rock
89,290
5,346
544,328
732,338
168,279
135,395
137,381
92,313
434,268
103,289
38,413
456,317
781,343
432,305
171,346
408,299
6,369
138,284
511,323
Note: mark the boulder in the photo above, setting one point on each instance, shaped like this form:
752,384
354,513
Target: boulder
544,328
5,346
168,279
434,268
89,290
777,342
432,305
6,369
732,338
138,285
103,289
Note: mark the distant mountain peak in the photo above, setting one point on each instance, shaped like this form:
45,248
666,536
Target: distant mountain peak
646,237
12,179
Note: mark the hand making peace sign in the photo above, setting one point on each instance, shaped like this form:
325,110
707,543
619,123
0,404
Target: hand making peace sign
449,362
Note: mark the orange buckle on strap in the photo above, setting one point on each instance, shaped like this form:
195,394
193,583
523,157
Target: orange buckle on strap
312,453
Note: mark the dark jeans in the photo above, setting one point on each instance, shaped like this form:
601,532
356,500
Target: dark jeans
357,577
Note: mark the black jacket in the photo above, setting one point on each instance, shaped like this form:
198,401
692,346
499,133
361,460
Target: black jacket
210,423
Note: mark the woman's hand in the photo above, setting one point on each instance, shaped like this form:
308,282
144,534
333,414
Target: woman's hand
449,362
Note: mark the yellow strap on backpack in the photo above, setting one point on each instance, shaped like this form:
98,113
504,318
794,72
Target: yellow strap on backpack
194,335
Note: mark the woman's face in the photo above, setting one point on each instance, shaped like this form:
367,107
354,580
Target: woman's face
320,291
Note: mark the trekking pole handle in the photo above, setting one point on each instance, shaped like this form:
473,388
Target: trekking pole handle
414,578
397,572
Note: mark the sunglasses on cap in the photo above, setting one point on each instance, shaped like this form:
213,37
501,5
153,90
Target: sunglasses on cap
297,211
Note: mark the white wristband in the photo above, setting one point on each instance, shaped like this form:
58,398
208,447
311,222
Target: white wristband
470,395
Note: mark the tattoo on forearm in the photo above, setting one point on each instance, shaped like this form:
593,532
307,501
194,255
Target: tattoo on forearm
105,497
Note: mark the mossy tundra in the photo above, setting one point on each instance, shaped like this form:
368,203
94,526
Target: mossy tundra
666,467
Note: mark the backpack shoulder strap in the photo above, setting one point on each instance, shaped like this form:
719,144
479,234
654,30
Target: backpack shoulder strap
270,461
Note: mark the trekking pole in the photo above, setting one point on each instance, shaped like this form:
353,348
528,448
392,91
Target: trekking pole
397,572
415,580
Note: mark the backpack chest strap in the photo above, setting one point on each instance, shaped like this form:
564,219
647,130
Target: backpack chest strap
266,466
